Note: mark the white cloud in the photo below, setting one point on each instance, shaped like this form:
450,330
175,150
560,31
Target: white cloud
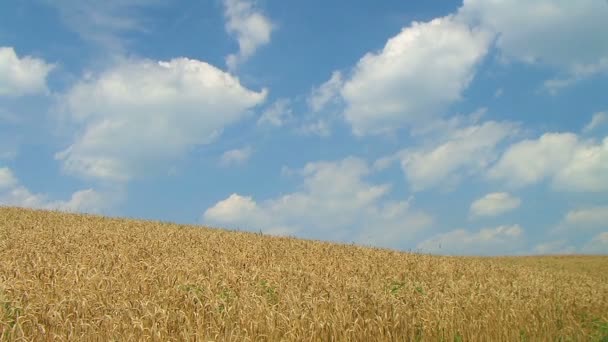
237,156
494,204
599,119
276,114
251,28
140,112
571,36
529,161
416,75
325,105
334,203
12,193
319,127
462,151
498,240
588,217
498,93
326,93
577,74
103,22
7,180
597,245
554,247
587,171
22,75
573,165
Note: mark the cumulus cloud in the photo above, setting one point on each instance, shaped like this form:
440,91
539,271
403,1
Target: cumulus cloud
335,203
276,114
571,164
237,156
494,204
570,36
12,193
140,112
250,27
24,75
463,151
415,76
597,245
487,241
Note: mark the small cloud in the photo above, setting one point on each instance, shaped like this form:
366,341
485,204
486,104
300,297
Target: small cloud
104,23
276,114
494,204
22,75
250,27
498,93
326,93
236,156
319,127
576,74
7,179
554,247
597,245
587,217
599,119
487,241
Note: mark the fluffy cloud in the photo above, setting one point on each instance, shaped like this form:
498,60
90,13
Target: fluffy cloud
22,75
462,151
571,36
277,114
140,112
12,193
529,161
502,239
237,156
334,202
416,75
597,245
251,28
494,204
573,165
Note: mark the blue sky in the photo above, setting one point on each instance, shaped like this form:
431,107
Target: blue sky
475,127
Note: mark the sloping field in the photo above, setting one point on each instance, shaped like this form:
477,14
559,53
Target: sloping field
78,277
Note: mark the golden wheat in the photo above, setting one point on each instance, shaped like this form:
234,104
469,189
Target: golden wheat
83,277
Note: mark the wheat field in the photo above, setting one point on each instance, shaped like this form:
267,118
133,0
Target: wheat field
66,277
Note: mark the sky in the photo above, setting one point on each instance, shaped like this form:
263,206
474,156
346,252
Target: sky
476,127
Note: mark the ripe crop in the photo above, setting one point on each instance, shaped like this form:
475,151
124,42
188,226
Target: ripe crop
83,277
